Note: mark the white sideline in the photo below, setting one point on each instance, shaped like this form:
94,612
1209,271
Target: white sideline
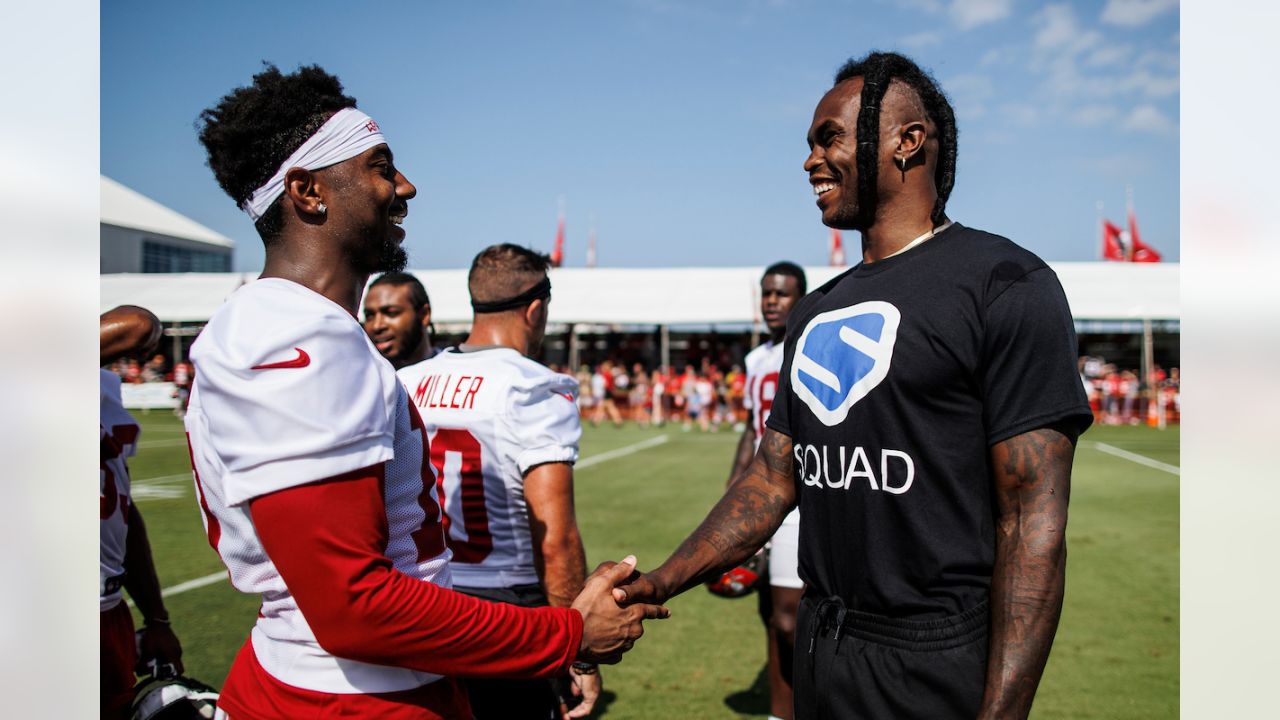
1135,457
593,460
621,452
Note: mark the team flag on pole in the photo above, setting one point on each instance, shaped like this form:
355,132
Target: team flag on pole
557,255
1112,242
836,249
1138,250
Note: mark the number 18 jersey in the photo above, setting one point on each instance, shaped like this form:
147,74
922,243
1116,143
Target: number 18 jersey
492,415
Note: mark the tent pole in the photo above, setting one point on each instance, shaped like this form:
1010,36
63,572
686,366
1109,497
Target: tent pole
666,346
573,348
1152,393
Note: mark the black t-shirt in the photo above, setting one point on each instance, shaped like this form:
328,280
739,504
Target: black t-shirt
898,377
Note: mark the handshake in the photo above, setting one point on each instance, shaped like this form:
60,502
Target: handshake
610,628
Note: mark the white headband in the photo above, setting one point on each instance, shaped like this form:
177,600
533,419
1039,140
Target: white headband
347,134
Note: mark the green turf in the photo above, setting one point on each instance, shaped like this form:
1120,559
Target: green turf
1116,654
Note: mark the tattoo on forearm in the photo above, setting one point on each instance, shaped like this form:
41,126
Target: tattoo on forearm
747,515
1032,484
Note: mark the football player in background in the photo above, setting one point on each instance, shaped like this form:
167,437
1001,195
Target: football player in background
782,285
504,433
310,461
124,554
397,317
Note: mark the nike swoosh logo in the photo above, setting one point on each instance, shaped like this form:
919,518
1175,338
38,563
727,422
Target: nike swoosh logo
566,396
301,361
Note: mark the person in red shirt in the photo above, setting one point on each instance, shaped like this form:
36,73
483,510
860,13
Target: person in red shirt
311,463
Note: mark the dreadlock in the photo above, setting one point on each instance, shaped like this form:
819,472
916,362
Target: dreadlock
254,128
877,70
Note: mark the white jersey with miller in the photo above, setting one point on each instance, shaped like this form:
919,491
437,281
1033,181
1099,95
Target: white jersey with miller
289,390
763,365
492,415
118,438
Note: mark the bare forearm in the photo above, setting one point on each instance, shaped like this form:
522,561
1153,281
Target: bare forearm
742,455
562,567
1029,577
126,330
141,581
739,524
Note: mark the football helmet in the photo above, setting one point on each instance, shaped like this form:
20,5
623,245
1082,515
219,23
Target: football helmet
174,698
740,581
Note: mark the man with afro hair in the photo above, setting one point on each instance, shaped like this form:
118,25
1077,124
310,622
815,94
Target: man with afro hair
310,461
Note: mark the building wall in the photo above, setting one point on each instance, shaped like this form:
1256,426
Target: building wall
122,250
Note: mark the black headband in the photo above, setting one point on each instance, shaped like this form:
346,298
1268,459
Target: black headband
540,291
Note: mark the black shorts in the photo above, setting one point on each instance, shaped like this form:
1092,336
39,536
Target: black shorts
852,664
506,698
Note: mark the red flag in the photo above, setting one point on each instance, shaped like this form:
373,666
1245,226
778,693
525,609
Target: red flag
837,249
1112,245
557,255
1139,251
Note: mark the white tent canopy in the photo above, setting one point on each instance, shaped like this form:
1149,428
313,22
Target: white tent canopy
657,296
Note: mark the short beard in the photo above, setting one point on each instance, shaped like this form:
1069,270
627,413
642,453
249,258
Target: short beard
850,216
391,258
411,344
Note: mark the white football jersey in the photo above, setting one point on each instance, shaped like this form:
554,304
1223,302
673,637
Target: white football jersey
492,415
763,365
119,440
289,390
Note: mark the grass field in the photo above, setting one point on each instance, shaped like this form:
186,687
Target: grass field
1116,654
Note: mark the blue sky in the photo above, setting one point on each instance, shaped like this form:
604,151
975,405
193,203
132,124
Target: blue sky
677,128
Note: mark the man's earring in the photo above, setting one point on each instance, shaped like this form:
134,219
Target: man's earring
321,208
902,164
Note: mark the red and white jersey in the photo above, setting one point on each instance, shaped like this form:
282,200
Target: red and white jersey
289,390
119,441
763,365
492,415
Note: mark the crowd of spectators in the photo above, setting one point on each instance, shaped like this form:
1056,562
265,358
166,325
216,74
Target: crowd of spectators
1119,396
705,396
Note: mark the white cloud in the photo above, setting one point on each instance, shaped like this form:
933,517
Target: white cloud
1057,26
969,14
969,94
1147,118
1094,115
1132,13
1020,113
921,39
1108,55
1160,59
991,57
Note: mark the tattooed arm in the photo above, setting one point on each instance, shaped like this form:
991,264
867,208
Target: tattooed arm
1032,476
743,455
745,518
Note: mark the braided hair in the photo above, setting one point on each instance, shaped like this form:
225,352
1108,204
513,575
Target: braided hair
253,129
877,70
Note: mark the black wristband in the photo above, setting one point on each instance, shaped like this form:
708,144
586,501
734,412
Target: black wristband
585,668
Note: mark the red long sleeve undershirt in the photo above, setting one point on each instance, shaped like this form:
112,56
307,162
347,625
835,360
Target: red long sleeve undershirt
328,542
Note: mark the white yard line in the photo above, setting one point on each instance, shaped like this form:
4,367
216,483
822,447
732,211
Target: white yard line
1135,457
215,577
162,480
199,582
621,452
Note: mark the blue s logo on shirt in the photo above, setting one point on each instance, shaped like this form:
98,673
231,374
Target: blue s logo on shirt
842,355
